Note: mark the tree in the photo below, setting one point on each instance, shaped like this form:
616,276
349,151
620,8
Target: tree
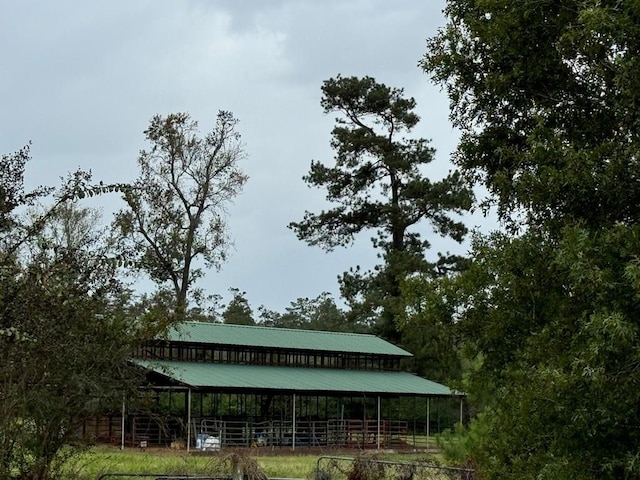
544,94
65,336
430,328
238,310
177,206
378,183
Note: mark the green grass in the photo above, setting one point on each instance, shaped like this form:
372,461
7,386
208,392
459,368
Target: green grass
105,459
299,466
113,460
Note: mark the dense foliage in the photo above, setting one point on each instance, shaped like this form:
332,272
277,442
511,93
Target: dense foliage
379,183
238,311
545,94
64,335
319,313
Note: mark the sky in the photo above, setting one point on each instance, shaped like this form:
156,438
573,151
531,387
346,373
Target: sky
81,80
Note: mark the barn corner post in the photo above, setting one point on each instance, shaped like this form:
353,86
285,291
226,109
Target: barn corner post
414,415
428,418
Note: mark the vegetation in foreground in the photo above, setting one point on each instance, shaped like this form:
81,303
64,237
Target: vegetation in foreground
100,460
545,96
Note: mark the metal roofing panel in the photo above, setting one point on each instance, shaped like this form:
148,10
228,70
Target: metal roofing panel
296,379
269,337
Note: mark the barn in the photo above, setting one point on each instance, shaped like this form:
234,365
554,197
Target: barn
213,385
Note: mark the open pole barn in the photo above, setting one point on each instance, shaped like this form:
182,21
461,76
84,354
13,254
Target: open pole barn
212,386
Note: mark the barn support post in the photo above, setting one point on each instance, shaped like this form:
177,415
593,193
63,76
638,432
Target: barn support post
428,416
378,436
122,423
413,413
364,420
293,424
188,419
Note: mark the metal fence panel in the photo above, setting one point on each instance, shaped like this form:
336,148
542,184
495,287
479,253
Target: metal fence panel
158,476
346,468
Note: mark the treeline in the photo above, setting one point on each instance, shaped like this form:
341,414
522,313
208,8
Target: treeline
320,313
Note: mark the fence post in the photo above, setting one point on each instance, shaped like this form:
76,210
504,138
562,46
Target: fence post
428,415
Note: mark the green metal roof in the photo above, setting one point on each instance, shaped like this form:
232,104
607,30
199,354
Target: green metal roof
293,379
269,337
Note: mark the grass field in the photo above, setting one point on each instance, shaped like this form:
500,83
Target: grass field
102,460
112,460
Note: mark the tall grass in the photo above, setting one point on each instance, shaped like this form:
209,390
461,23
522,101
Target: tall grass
105,459
102,460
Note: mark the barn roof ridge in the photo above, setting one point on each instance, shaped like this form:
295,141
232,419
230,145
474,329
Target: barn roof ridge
288,338
290,329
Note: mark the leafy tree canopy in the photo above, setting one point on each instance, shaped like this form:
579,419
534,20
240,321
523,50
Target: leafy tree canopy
544,93
320,313
65,335
238,311
545,96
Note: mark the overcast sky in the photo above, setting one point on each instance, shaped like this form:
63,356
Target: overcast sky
81,79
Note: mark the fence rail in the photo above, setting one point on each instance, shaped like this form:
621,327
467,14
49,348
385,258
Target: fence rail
344,468
332,468
331,433
158,476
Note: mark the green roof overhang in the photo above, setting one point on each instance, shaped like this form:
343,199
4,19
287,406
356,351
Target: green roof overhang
310,381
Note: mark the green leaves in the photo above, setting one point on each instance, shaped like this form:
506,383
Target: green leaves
176,209
554,322
361,99
238,311
542,93
64,335
377,183
545,94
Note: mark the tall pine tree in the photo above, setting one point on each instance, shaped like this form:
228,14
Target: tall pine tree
378,182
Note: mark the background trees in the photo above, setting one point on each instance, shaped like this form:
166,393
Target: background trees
238,311
320,313
544,94
176,207
378,183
